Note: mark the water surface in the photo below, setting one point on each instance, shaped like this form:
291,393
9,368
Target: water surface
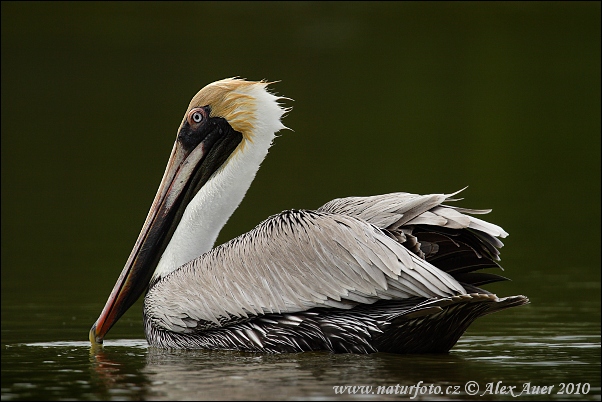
517,348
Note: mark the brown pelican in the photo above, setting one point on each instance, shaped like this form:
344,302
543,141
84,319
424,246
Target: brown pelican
392,273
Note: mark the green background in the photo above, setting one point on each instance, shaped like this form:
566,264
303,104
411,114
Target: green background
424,98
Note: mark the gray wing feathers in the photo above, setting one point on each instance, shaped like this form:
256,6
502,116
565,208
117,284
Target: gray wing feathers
293,262
384,211
337,257
392,211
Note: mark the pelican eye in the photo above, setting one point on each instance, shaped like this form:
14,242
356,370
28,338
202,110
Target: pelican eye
197,117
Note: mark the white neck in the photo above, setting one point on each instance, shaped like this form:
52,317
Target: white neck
217,200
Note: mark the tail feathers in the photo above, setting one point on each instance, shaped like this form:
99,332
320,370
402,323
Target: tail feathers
507,302
435,325
489,303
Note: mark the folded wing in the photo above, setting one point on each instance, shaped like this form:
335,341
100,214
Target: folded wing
293,262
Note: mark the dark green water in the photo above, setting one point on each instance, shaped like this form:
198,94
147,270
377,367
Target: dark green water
424,98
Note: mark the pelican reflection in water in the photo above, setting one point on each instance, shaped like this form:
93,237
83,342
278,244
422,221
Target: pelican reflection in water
388,273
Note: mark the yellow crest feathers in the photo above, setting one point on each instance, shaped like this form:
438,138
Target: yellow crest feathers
231,99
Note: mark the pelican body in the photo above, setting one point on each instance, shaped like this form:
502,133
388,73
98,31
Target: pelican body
387,273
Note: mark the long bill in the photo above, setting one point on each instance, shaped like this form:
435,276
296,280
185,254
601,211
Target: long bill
138,269
186,172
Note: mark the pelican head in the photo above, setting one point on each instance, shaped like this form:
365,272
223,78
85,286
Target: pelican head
228,123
